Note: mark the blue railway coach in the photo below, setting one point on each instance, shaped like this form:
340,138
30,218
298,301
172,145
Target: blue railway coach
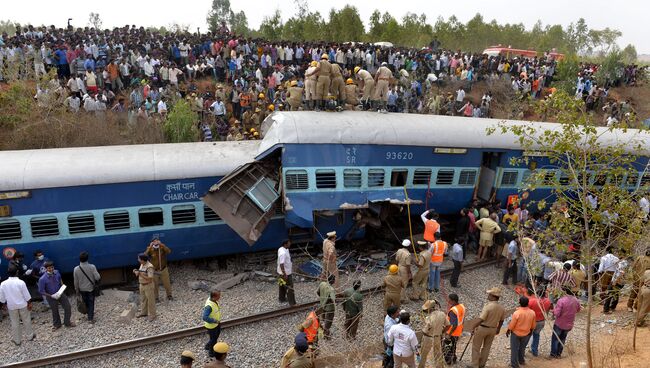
312,172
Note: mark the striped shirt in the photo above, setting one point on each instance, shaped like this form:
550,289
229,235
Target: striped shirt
562,278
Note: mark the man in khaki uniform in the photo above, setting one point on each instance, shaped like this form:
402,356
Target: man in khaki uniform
435,323
393,285
145,276
351,93
338,86
367,85
488,227
644,299
298,356
329,258
323,83
403,258
421,278
157,252
294,95
310,84
491,317
641,263
382,78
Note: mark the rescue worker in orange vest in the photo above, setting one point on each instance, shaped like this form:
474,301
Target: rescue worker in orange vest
456,318
403,258
431,226
438,251
393,285
310,327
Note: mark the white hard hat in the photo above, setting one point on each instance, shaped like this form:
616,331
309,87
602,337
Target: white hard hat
406,243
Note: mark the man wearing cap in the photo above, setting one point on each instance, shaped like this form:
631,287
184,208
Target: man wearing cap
327,296
403,258
157,252
491,317
421,278
351,97
367,85
329,258
221,350
435,324
145,276
324,70
338,85
393,285
294,95
187,359
298,356
382,78
310,84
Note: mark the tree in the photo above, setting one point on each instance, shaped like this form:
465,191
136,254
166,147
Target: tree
180,125
629,55
239,24
271,27
345,25
566,73
9,27
585,161
94,20
219,14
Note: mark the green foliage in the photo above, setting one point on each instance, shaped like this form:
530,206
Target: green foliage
271,27
566,74
629,55
239,24
218,14
180,125
611,67
16,104
345,25
9,27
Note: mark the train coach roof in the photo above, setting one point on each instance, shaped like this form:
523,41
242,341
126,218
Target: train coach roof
355,127
64,167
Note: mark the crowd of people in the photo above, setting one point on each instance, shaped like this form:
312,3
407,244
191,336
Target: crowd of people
141,73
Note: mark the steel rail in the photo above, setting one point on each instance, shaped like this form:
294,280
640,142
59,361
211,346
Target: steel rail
192,331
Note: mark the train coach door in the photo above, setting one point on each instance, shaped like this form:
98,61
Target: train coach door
489,164
246,198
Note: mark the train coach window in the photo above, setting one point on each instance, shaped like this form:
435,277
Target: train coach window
150,217
10,229
421,176
352,178
82,223
209,215
398,177
185,214
44,226
296,179
467,177
376,178
325,179
509,178
549,178
116,220
445,177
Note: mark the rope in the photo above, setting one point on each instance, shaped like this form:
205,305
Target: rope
408,206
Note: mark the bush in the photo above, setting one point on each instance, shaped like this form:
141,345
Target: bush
180,125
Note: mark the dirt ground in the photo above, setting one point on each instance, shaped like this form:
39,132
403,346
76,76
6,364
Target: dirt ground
612,347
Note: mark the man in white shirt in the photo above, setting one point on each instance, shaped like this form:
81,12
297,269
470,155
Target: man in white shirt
218,109
606,269
404,341
13,291
284,270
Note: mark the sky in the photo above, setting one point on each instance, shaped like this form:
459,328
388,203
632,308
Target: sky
628,16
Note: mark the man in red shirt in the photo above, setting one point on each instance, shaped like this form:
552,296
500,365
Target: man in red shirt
519,330
541,305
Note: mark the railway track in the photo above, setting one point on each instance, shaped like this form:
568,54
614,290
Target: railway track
192,331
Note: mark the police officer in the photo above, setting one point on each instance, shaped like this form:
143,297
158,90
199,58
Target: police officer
294,95
435,324
382,78
491,317
157,252
367,85
403,258
421,277
146,280
329,258
393,285
351,97
310,84
324,70
298,356
338,86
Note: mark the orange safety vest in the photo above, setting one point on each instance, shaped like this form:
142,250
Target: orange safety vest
438,251
312,331
459,311
245,99
431,227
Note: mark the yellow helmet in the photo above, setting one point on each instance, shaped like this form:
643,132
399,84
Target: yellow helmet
356,69
252,130
324,56
261,95
349,81
271,107
293,83
314,63
256,134
393,269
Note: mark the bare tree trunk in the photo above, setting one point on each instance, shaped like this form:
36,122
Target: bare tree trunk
590,282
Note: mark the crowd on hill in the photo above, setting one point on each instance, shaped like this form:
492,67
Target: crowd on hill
139,72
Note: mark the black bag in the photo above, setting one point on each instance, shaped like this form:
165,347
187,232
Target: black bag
81,306
97,291
448,352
